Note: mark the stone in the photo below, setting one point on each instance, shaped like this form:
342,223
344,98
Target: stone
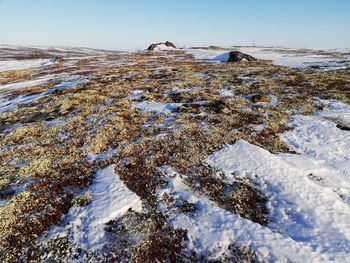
155,45
237,56
170,44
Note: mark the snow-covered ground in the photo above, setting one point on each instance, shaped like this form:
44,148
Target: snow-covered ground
24,64
157,107
10,103
324,147
26,84
337,112
324,59
110,199
308,192
308,196
213,229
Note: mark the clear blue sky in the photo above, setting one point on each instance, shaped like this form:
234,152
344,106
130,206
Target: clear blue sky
132,24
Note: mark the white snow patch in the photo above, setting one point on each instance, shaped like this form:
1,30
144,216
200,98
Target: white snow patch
24,64
258,128
92,157
305,213
26,84
70,84
7,104
211,229
163,47
227,92
273,100
308,196
178,90
336,111
111,199
222,57
10,104
157,107
136,95
318,138
324,148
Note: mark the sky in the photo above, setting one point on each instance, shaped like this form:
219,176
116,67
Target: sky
134,24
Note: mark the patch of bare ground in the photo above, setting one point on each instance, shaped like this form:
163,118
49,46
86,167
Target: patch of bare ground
239,196
44,145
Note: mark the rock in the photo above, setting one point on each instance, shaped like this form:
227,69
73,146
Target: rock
162,46
260,98
170,44
343,127
152,47
56,59
236,56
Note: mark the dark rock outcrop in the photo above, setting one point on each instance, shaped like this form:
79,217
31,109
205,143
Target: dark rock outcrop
237,56
152,46
170,44
155,45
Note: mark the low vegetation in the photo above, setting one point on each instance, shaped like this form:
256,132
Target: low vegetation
45,144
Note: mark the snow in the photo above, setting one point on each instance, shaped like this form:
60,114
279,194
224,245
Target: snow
227,92
10,104
293,58
163,47
157,107
323,147
26,84
336,111
212,229
302,210
7,104
136,95
12,191
273,100
178,90
258,128
321,139
69,84
308,195
92,157
110,199
24,64
222,57
313,216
